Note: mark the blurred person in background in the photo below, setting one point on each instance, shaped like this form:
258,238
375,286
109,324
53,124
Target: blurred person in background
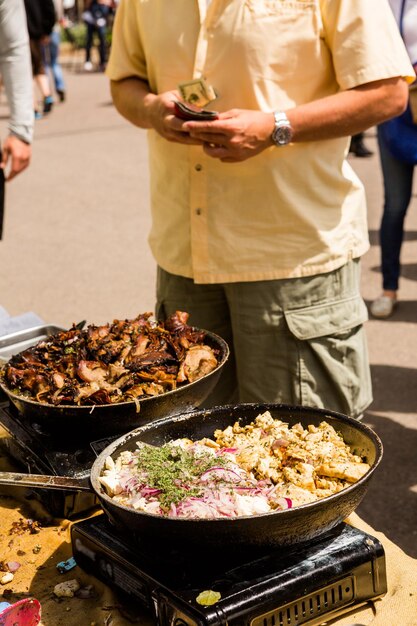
96,17
15,69
41,19
398,182
358,146
258,220
50,52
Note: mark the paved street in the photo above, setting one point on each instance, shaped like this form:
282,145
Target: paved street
75,247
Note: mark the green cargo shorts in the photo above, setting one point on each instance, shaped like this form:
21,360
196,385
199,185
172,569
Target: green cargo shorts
294,341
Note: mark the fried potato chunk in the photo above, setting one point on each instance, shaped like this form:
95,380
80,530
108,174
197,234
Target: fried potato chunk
351,472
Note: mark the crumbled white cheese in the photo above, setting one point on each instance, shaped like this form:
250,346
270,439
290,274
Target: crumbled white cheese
251,505
109,463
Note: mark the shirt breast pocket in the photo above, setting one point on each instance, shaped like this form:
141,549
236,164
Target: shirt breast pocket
283,40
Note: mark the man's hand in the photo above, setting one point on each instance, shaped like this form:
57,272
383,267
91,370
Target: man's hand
161,116
141,107
237,135
15,156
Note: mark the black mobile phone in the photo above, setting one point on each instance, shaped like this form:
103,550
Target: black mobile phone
186,112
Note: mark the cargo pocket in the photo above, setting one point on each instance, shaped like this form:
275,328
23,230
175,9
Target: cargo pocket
333,357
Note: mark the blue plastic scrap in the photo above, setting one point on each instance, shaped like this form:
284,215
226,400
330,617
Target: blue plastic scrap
66,566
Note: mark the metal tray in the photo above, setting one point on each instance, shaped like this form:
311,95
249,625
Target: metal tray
17,342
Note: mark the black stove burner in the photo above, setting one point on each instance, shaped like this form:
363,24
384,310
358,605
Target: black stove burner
303,585
57,453
41,452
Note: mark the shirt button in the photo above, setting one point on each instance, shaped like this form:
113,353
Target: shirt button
198,167
198,211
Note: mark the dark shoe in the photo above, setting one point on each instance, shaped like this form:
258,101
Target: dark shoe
38,115
48,103
359,149
61,95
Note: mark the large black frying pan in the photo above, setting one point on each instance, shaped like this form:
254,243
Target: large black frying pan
198,536
101,420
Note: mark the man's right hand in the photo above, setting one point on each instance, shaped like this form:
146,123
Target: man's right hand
161,111
137,104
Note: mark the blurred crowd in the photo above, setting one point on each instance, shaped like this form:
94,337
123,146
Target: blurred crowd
30,70
51,21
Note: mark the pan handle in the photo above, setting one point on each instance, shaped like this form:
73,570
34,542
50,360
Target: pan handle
15,479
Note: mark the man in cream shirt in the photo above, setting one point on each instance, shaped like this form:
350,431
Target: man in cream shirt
258,221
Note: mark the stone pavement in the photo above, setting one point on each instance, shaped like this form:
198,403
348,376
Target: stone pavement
75,247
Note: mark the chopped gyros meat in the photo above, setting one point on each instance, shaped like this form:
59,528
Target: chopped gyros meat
199,361
121,361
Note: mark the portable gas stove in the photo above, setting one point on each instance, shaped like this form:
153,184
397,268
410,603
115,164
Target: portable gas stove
305,586
284,587
40,452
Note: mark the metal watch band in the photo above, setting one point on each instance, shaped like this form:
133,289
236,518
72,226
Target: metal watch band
280,116
282,133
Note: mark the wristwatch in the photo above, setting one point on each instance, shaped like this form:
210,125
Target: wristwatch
282,133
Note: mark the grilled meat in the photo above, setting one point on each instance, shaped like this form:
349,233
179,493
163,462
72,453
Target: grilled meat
116,362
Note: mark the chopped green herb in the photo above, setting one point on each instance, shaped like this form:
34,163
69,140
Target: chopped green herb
173,470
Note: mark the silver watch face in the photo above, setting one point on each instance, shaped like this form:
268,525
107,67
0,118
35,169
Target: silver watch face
282,134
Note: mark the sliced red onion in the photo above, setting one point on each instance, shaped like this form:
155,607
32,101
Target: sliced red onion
284,503
225,470
150,491
280,443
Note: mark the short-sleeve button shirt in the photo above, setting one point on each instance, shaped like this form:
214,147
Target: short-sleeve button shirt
288,212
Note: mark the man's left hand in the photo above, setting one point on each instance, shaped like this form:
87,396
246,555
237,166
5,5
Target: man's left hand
236,135
16,156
